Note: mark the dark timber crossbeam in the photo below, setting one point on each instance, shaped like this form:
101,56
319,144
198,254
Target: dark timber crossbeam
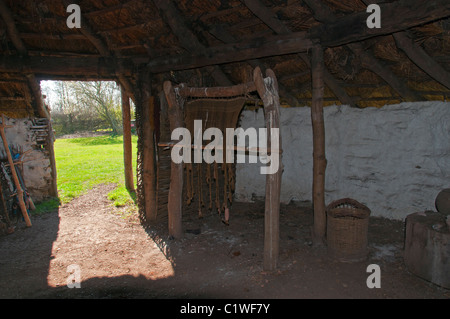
267,16
187,38
397,16
47,66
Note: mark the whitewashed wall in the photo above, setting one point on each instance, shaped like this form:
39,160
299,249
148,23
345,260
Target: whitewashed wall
394,159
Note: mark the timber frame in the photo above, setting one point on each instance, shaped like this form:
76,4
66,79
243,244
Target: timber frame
267,89
321,50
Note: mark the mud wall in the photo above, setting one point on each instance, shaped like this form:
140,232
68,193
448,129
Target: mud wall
394,159
36,167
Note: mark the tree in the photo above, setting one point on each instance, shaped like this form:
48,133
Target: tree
104,97
76,104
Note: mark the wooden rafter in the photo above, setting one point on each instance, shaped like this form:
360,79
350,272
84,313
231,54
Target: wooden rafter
46,36
397,16
366,57
371,63
102,48
350,28
186,37
267,16
45,67
14,35
234,52
422,59
226,37
110,9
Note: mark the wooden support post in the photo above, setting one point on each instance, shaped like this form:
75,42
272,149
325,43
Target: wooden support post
127,146
19,190
149,151
175,203
319,159
268,91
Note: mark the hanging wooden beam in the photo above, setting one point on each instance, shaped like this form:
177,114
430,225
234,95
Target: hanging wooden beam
127,145
268,91
175,203
319,158
422,59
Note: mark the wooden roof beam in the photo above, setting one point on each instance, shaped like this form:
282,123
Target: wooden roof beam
102,48
367,58
187,38
267,16
14,35
371,63
396,16
418,55
422,59
112,8
399,16
45,67
226,37
234,52
46,36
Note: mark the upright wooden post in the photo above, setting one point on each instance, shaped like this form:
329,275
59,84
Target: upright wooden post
268,91
127,146
19,190
319,159
149,150
175,203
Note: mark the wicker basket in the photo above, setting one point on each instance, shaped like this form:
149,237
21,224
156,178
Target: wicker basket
347,228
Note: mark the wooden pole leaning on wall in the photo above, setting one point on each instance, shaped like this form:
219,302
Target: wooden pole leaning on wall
319,158
268,91
19,190
127,145
175,200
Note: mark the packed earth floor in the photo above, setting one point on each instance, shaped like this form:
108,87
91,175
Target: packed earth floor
118,258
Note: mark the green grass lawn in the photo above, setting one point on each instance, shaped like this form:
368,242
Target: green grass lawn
82,163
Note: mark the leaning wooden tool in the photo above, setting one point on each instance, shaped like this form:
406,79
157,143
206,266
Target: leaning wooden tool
19,189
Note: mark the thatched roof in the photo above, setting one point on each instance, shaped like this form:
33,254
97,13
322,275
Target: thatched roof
219,42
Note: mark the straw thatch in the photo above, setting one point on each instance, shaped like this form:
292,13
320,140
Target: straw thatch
143,31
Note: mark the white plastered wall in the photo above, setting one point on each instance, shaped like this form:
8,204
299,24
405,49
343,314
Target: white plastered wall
394,159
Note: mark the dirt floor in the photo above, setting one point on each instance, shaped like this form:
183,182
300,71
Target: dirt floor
118,258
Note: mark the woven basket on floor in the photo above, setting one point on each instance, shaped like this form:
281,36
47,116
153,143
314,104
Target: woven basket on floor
347,228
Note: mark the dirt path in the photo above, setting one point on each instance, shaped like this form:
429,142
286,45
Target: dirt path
118,258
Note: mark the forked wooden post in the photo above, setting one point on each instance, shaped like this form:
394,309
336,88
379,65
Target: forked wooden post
19,189
319,159
127,146
268,91
175,203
